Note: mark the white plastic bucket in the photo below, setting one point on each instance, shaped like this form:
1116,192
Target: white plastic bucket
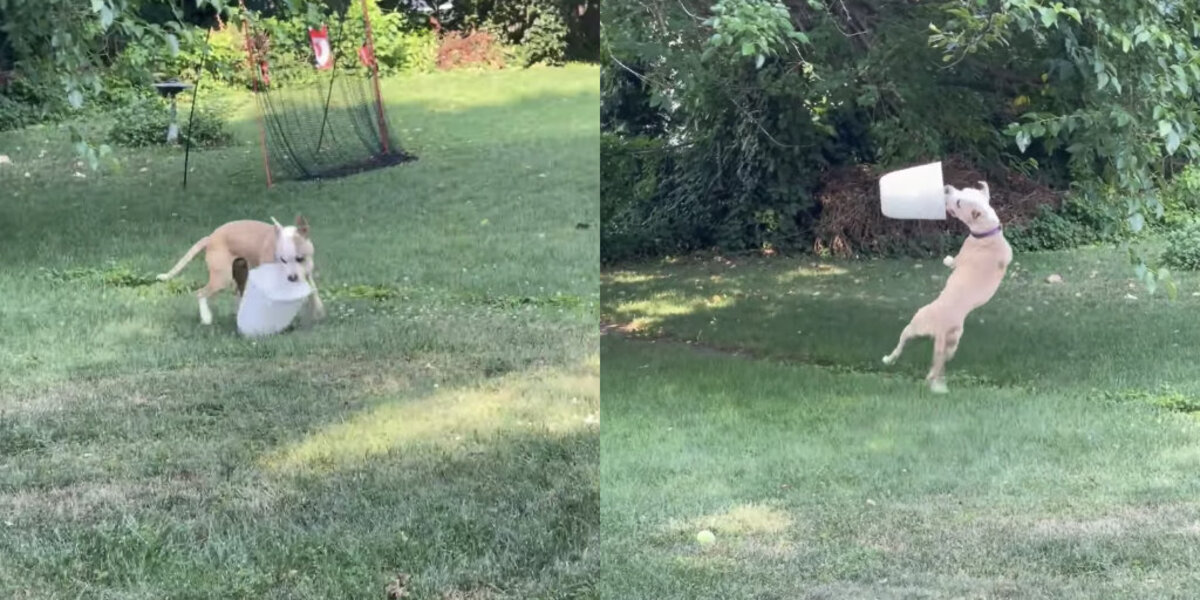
270,301
914,193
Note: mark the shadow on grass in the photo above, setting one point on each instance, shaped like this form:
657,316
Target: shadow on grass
240,491
455,421
512,520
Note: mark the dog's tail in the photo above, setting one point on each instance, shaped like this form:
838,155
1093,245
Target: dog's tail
187,258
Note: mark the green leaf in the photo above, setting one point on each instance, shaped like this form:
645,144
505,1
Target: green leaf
1172,142
1136,222
1101,80
1023,140
106,17
75,98
747,48
1048,17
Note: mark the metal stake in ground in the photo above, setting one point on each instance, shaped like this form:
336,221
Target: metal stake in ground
187,143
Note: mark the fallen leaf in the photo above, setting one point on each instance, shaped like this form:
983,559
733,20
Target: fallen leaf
398,587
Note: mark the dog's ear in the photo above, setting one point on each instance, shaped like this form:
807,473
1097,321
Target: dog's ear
301,225
975,214
986,192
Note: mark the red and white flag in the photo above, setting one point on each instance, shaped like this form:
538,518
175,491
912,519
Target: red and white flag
322,54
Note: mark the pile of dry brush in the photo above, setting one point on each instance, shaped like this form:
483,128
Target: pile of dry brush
851,223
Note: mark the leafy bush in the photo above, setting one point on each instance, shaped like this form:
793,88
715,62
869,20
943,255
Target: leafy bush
23,104
1079,97
145,123
403,43
545,39
1076,223
1183,248
1180,199
633,171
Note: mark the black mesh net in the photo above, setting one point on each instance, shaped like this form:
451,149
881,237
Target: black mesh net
336,127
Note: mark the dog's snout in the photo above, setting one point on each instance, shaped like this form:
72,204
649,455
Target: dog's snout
293,277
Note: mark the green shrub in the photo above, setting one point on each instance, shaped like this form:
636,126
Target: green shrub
1180,200
1183,248
403,43
545,40
634,169
1076,223
25,102
144,123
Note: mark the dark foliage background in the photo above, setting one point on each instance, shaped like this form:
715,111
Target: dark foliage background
742,124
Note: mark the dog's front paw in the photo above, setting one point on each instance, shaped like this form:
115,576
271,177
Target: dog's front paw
948,261
938,386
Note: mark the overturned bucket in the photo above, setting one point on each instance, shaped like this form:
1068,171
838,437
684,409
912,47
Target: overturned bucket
270,302
913,193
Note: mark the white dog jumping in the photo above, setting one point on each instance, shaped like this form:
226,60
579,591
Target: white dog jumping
976,274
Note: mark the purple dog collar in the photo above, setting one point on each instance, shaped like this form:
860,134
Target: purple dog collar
986,233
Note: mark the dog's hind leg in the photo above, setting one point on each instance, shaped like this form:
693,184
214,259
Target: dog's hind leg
220,274
952,338
905,335
241,270
937,371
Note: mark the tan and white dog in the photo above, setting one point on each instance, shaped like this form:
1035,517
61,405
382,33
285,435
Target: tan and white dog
976,274
254,243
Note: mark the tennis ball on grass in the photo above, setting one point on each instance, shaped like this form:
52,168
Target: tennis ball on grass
705,537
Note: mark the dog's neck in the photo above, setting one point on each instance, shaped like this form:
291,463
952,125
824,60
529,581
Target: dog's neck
986,234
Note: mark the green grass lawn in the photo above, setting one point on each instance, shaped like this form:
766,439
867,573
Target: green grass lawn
747,396
439,423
